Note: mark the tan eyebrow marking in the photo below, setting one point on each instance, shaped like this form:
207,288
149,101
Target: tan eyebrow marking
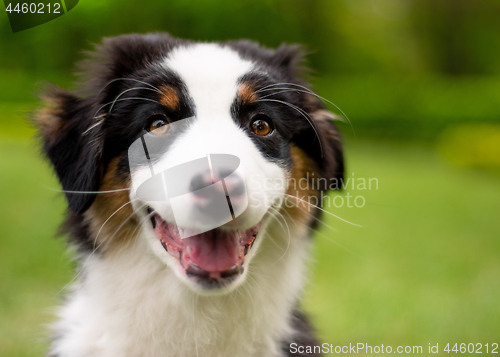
169,97
246,94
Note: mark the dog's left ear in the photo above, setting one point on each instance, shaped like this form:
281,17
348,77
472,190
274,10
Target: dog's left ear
325,147
75,155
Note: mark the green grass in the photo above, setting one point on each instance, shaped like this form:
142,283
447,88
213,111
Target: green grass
424,268
429,244
33,265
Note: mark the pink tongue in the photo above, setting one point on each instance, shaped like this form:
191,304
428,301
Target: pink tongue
213,251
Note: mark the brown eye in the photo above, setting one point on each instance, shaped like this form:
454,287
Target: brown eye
260,127
158,125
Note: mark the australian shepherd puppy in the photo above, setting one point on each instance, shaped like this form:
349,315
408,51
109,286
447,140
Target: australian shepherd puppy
180,162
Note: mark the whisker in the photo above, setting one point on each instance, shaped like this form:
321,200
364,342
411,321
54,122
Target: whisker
118,100
139,226
291,219
274,216
289,234
139,98
111,216
337,243
94,125
103,116
269,87
127,79
94,245
285,90
253,272
128,218
282,90
273,85
331,214
330,239
304,114
126,91
249,292
84,192
313,216
307,90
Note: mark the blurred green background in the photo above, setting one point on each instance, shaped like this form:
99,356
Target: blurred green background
420,82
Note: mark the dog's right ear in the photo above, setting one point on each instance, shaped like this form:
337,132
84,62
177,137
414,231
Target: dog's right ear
75,155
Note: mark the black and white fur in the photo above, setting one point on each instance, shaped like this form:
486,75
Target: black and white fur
132,298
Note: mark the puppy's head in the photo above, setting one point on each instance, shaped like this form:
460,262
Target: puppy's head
186,150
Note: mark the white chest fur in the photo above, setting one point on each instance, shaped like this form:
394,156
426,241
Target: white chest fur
130,304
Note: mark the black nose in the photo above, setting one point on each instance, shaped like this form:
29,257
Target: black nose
232,185
200,181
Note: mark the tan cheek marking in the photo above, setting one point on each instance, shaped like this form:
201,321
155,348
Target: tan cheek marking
301,165
123,224
169,98
246,94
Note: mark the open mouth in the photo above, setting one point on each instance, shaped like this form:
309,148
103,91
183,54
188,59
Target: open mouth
213,258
